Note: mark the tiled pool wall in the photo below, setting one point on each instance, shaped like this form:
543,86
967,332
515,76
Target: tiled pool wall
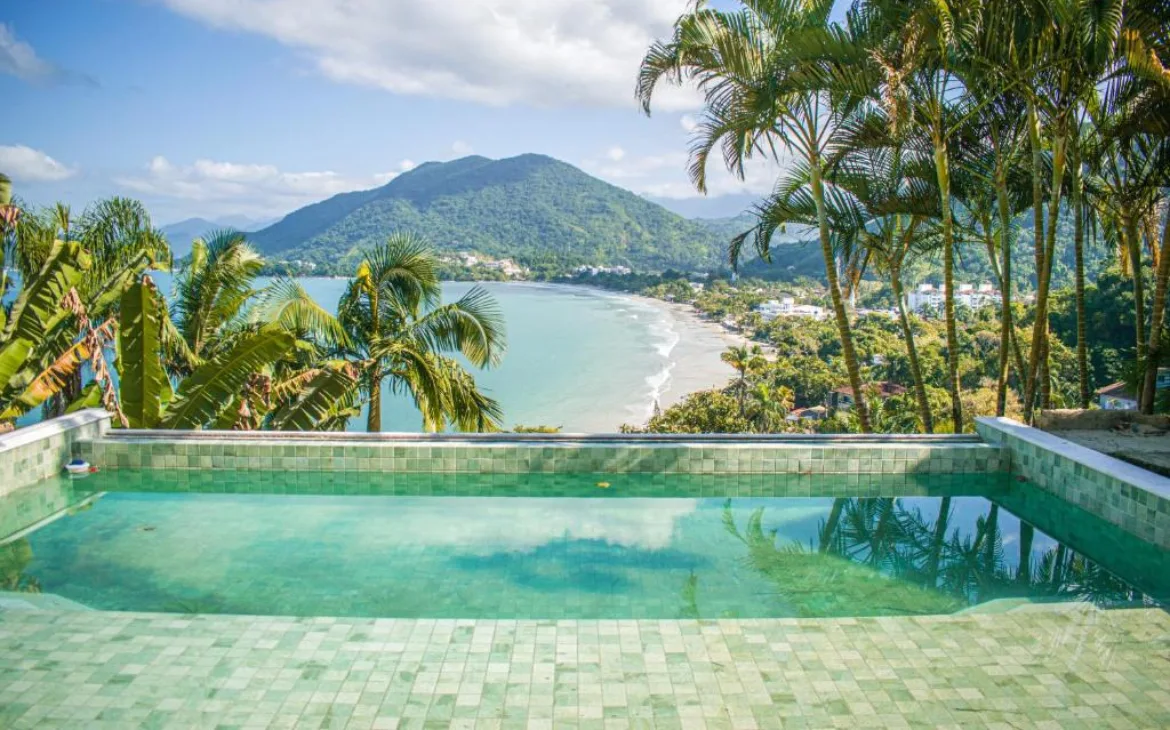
1136,500
37,452
552,456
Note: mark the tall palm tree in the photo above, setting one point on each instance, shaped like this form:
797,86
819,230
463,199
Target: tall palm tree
401,334
745,360
885,198
914,47
764,93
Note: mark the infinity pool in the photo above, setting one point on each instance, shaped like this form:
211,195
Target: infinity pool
604,547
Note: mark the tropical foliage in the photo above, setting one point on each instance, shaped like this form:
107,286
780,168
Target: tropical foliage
227,352
398,333
924,128
937,565
62,281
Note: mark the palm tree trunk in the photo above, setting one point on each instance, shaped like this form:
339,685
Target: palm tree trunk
830,528
1139,298
1078,204
912,353
936,543
1040,326
839,312
1012,346
374,416
1059,148
1157,313
942,168
1027,534
1006,330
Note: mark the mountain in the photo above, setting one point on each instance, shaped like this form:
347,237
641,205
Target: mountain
531,207
180,235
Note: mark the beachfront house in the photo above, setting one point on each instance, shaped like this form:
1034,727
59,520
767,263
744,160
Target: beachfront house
841,399
1121,397
814,413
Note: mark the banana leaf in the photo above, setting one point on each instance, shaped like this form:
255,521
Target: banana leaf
143,380
313,405
204,393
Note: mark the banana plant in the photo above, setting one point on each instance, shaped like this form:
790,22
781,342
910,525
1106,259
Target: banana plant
29,354
248,382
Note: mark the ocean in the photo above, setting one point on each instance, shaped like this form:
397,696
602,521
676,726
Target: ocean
581,359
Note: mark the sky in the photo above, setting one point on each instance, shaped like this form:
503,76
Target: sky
216,108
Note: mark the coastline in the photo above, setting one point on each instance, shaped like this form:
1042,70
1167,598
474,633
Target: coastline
691,363
698,355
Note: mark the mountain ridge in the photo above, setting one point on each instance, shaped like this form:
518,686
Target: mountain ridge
530,207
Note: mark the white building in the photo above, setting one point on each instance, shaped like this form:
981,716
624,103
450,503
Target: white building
595,270
930,298
787,307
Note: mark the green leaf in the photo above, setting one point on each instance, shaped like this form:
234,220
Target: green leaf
206,391
91,397
13,357
38,309
314,404
143,380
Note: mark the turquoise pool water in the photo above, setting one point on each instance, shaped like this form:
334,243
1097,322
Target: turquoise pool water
595,547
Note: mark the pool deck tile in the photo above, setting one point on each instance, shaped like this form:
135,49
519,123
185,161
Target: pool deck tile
1063,666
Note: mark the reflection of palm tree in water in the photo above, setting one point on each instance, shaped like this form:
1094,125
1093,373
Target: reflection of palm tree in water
14,558
882,537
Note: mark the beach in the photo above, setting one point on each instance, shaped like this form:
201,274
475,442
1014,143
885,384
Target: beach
698,361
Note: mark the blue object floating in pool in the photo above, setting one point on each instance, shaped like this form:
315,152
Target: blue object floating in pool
77,467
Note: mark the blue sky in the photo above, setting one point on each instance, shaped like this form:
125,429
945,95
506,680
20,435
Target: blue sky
256,107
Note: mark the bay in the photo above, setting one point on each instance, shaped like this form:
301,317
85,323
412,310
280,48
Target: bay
581,359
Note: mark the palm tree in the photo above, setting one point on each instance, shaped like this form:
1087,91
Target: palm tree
914,47
745,360
235,355
885,195
770,405
400,334
764,92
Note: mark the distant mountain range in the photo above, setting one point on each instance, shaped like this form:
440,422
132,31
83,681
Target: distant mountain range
180,234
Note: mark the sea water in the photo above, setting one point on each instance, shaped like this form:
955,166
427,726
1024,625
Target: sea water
578,358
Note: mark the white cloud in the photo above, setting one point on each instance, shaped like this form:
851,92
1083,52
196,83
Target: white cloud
231,187
18,59
24,164
615,154
461,148
665,175
688,122
538,52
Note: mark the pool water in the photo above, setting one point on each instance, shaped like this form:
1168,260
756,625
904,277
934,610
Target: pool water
403,547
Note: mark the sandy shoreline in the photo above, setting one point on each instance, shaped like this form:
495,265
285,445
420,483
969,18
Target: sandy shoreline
697,357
